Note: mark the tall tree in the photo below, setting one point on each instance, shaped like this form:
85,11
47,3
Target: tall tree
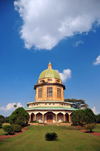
19,116
78,104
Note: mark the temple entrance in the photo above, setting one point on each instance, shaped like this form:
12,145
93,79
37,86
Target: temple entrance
67,117
32,117
49,119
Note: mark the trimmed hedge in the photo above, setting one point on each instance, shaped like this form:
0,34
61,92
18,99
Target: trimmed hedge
17,128
51,136
8,128
34,121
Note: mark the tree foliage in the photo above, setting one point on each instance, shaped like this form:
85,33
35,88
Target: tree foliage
81,117
7,119
98,118
0,125
89,116
78,104
2,118
19,116
78,117
15,105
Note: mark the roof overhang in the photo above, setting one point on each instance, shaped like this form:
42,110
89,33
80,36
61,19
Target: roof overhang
51,101
46,83
49,109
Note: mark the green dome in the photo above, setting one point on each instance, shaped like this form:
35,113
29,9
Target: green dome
49,73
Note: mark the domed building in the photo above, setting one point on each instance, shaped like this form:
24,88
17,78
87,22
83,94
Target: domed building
49,105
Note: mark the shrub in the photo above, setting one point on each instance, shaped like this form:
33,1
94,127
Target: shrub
34,121
8,128
51,136
65,122
17,128
0,125
90,126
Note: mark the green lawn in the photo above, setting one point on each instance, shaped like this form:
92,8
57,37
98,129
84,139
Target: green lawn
68,140
2,131
97,129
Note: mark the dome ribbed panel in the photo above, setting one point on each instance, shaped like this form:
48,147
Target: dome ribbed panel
49,73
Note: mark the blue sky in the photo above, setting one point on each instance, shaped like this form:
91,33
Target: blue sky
31,34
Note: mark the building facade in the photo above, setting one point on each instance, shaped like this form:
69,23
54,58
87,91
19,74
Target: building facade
49,105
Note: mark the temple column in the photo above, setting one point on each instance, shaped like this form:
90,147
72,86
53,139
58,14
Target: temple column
56,118
35,117
70,117
64,117
43,118
30,118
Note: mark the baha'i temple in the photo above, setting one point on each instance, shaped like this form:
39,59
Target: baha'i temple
49,105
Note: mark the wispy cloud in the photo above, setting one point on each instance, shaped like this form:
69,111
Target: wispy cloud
46,22
10,106
97,61
65,75
77,43
94,110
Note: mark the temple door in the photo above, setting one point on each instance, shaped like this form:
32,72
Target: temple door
49,118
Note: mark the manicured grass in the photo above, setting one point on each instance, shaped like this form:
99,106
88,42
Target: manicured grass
68,140
2,132
97,128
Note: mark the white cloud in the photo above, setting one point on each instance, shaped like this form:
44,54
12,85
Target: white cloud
97,62
94,110
46,22
78,42
10,106
65,75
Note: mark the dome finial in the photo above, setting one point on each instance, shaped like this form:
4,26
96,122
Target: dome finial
49,65
49,62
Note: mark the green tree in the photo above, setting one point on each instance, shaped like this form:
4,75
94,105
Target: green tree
19,116
86,116
7,119
98,118
2,118
78,117
89,116
78,104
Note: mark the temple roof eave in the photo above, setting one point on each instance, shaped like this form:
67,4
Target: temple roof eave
51,108
46,83
47,101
